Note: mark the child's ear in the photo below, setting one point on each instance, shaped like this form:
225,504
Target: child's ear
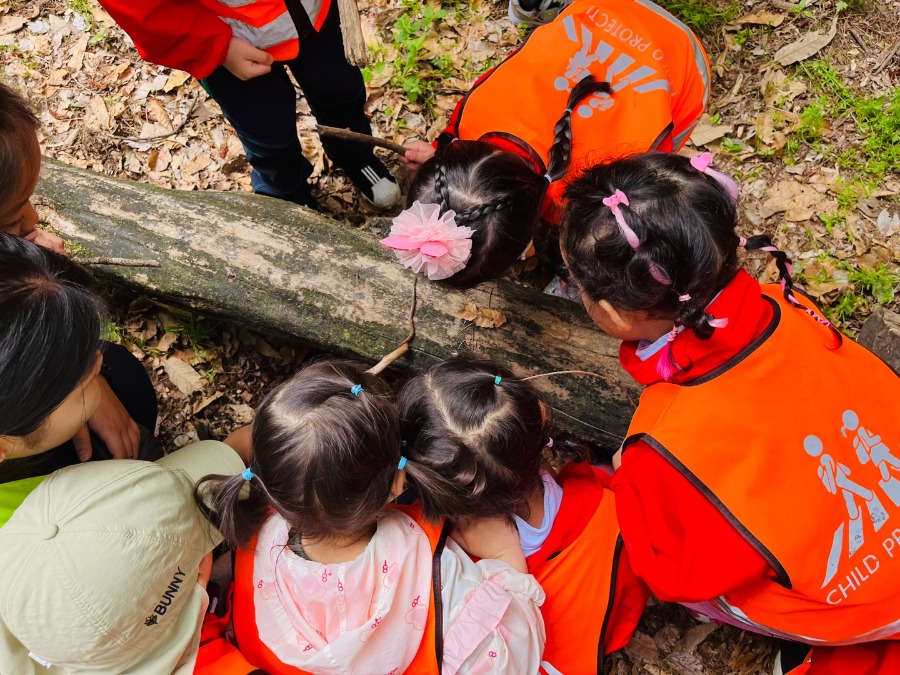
623,321
399,484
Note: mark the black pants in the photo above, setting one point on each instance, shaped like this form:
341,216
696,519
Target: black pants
129,381
262,111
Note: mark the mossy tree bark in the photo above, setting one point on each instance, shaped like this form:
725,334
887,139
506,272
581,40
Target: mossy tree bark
284,269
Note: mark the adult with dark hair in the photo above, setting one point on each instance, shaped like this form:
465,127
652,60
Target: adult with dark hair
65,396
758,481
603,80
329,579
20,168
483,435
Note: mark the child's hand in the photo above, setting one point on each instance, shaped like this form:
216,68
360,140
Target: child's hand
245,61
46,240
417,153
113,425
491,538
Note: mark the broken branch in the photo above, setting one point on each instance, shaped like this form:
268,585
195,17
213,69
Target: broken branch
356,137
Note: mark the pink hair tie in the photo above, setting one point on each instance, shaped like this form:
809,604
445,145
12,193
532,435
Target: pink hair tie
615,200
684,298
702,164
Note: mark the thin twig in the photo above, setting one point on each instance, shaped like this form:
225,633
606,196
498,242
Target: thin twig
564,372
355,137
174,131
404,346
121,262
887,59
858,39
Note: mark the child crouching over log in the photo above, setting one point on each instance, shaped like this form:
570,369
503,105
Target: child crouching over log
759,482
484,432
331,579
604,80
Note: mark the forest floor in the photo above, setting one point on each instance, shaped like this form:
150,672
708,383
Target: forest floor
805,113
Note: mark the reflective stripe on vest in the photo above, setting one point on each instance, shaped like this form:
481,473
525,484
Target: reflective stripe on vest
256,652
654,64
798,446
274,33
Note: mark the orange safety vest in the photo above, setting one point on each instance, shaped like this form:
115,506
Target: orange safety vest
268,24
655,65
579,581
797,444
427,660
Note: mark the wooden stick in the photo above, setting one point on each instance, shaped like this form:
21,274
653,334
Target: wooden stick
858,38
889,56
404,346
121,262
356,137
351,29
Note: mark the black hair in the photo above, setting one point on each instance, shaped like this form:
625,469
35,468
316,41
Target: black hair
18,140
496,192
49,333
476,435
323,457
685,221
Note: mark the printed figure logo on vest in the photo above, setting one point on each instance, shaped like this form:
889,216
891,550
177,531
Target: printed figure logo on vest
836,479
619,73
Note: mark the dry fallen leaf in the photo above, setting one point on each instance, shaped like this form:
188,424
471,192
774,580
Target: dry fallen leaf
166,341
10,24
183,376
704,134
480,316
176,79
762,19
809,45
205,401
642,646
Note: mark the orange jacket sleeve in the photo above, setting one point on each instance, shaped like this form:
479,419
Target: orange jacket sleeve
174,33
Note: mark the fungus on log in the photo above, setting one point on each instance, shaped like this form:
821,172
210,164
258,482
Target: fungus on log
283,269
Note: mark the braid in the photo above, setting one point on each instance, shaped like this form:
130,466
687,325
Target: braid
441,186
482,210
693,315
762,242
561,150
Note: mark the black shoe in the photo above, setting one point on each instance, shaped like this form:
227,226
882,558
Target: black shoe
375,183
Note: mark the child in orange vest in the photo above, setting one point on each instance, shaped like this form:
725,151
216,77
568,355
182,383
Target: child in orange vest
330,580
758,484
484,434
533,122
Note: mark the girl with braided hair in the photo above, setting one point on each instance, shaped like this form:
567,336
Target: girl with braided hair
603,80
734,492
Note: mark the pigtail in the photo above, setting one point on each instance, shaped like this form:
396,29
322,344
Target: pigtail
694,316
762,242
436,498
481,210
237,518
561,150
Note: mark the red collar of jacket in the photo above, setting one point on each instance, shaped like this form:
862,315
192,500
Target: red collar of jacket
748,314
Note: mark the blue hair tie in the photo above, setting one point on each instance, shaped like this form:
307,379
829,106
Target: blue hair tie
497,380
355,389
247,474
548,177
569,110
402,464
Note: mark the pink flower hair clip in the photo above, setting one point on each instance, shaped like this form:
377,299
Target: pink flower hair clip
428,241
702,164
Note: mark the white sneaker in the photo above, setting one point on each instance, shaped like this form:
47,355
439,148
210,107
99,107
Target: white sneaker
544,11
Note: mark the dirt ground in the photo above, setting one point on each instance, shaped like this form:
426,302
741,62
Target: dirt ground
805,113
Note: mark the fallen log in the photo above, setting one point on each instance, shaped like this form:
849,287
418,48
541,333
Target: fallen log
284,269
